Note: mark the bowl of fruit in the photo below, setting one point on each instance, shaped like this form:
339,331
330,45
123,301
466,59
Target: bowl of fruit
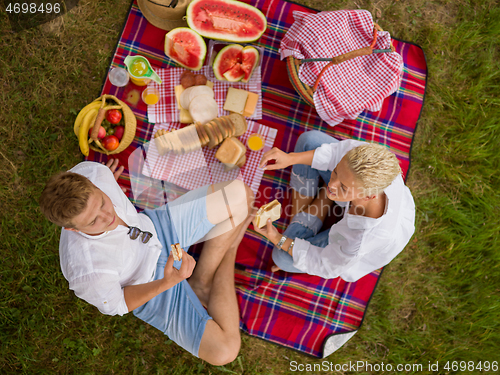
107,125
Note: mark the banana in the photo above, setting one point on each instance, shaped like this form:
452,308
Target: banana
83,136
83,112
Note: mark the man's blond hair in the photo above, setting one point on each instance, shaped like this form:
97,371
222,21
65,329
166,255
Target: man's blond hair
65,196
374,166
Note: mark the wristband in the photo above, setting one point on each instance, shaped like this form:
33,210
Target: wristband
282,241
290,248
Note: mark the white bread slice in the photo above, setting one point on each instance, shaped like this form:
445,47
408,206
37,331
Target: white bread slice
239,122
230,151
271,211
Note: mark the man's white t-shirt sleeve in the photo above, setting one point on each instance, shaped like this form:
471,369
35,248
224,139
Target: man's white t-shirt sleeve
102,290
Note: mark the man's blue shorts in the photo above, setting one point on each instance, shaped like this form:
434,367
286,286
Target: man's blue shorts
178,312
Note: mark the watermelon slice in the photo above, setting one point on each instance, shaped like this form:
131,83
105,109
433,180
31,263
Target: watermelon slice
249,60
227,20
235,74
186,47
226,59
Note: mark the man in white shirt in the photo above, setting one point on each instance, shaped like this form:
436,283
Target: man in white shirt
364,178
119,260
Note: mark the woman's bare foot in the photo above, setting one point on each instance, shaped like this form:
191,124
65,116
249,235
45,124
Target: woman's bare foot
275,268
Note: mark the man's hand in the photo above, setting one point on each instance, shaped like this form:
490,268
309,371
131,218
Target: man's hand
137,295
113,165
268,231
172,275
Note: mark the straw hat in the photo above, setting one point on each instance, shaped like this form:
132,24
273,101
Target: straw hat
162,15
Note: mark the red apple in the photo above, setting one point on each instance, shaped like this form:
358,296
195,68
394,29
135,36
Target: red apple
113,116
119,130
110,142
101,134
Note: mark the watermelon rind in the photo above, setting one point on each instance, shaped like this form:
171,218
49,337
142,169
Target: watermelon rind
219,59
187,32
255,52
197,21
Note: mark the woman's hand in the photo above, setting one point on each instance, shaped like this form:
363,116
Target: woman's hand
268,231
281,159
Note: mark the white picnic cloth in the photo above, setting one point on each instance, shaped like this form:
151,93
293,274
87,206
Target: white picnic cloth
346,89
166,109
200,167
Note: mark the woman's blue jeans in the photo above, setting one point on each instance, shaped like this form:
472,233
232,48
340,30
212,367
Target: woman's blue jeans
305,180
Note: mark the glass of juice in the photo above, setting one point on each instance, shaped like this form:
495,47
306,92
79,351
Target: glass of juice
150,95
255,142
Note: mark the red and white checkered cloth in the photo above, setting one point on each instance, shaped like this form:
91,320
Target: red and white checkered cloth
166,109
199,168
346,89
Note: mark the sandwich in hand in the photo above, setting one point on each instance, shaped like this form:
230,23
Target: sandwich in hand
268,211
176,251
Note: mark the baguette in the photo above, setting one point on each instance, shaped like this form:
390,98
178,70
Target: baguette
271,211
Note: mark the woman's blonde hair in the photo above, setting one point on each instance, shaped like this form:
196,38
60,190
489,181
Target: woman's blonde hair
374,166
64,197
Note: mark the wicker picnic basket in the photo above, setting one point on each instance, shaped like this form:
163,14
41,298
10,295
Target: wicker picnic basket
130,125
306,92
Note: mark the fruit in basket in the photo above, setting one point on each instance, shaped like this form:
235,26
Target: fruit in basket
82,113
235,63
119,130
83,141
186,47
227,20
249,61
113,116
101,134
110,142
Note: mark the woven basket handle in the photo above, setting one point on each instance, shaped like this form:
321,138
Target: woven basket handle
346,56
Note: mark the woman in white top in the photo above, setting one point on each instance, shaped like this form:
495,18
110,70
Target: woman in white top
365,179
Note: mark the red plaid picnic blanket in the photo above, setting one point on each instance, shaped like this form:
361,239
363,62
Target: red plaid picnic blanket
349,88
293,310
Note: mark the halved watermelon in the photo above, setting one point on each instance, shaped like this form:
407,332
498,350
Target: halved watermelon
226,59
249,60
227,20
186,47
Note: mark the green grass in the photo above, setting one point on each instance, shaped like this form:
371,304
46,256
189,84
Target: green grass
437,301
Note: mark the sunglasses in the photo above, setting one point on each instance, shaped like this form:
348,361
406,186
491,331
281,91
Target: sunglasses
134,232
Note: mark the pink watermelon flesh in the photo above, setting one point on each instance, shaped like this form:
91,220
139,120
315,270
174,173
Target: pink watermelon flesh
186,49
226,59
234,74
249,60
226,20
